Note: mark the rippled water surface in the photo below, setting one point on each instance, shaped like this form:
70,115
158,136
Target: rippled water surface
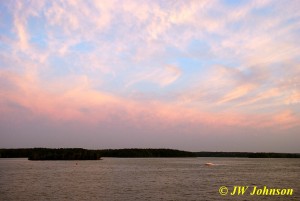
145,179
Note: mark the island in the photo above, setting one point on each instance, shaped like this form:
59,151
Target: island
63,154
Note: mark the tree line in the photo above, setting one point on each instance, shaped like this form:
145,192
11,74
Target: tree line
84,154
247,154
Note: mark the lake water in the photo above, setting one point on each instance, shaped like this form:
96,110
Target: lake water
146,179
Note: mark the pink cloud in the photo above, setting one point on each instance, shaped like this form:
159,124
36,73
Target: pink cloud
83,104
286,119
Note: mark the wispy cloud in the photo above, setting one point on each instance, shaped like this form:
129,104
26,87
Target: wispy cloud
163,76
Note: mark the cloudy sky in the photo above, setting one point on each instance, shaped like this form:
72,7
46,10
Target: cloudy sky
194,75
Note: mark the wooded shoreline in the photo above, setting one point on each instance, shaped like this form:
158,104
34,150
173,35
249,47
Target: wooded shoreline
85,154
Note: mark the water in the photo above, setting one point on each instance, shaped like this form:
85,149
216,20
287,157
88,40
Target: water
145,179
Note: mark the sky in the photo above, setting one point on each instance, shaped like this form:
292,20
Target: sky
192,75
